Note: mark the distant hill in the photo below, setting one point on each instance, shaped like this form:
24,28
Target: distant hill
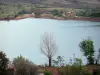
60,3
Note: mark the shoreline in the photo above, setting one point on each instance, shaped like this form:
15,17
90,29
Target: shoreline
76,18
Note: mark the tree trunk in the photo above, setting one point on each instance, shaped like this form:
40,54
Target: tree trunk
49,61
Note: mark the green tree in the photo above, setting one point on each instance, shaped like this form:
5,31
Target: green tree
55,62
47,72
3,63
32,9
77,62
37,14
59,61
56,13
24,66
87,47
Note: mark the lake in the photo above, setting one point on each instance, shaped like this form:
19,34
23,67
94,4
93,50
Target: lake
23,37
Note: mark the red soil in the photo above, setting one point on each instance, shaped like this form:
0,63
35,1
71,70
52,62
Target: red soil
51,17
51,69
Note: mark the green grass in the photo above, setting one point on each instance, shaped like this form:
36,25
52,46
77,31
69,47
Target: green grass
13,9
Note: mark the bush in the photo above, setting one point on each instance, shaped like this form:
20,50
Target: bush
23,12
47,73
10,72
32,9
24,66
73,70
83,13
89,13
56,13
97,71
37,13
95,14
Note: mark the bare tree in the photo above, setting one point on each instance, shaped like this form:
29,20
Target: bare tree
48,46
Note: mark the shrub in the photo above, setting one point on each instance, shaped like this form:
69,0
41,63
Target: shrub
56,13
83,13
73,70
47,73
95,14
32,9
23,12
37,13
10,72
89,13
24,66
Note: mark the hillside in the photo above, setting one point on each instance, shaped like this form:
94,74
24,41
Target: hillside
60,3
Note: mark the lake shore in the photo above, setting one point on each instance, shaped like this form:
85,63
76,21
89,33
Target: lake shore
56,18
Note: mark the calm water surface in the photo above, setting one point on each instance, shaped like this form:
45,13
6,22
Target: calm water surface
23,37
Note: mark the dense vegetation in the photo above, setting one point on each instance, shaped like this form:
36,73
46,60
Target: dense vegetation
14,10
3,63
89,13
57,13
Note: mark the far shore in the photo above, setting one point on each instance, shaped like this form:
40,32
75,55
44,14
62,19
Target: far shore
58,18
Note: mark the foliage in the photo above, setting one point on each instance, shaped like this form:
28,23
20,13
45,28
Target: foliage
89,13
95,14
80,13
23,12
37,14
55,62
10,72
32,9
87,47
3,63
78,62
24,66
47,72
98,71
59,61
73,70
56,13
